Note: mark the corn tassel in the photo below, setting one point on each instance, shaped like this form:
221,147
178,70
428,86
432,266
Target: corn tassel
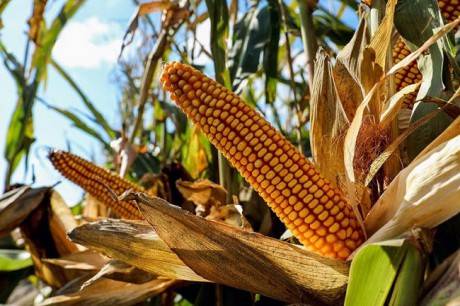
97,181
315,211
410,74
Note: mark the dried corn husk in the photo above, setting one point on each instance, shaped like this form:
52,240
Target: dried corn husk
424,194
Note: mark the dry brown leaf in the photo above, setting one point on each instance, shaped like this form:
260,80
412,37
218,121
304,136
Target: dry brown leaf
328,123
84,260
243,259
381,40
346,71
17,204
61,221
393,105
40,244
153,6
120,271
36,20
353,132
204,194
106,292
424,194
135,243
231,214
383,157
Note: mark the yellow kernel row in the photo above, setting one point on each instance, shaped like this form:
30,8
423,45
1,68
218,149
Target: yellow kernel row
97,181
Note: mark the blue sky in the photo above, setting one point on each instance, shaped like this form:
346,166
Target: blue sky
87,49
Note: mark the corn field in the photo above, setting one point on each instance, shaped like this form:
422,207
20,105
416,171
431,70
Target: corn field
264,152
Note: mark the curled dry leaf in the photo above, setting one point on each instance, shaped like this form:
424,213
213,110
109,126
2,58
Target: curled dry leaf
424,194
118,270
107,292
36,20
328,122
347,70
136,244
204,194
231,214
242,259
84,260
17,204
382,38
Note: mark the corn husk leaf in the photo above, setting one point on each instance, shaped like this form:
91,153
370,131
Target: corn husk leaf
346,71
213,250
443,284
135,243
395,274
452,131
356,123
383,157
17,204
106,292
424,194
381,40
328,122
394,104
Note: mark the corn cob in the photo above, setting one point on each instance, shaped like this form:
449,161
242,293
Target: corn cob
315,211
96,181
410,74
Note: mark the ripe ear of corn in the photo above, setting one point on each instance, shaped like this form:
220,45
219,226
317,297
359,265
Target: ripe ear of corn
410,74
315,211
97,181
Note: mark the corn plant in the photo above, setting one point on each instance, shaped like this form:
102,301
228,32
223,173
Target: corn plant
367,213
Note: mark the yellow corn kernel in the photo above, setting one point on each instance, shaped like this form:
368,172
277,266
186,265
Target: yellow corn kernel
288,175
96,181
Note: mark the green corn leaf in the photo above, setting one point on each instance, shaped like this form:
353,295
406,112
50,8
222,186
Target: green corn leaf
271,51
12,260
42,53
377,268
80,124
218,15
409,280
417,21
252,35
96,114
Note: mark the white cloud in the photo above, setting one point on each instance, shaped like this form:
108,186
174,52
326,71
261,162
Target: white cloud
88,44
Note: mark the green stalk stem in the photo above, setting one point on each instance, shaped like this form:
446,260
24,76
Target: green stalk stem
308,38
